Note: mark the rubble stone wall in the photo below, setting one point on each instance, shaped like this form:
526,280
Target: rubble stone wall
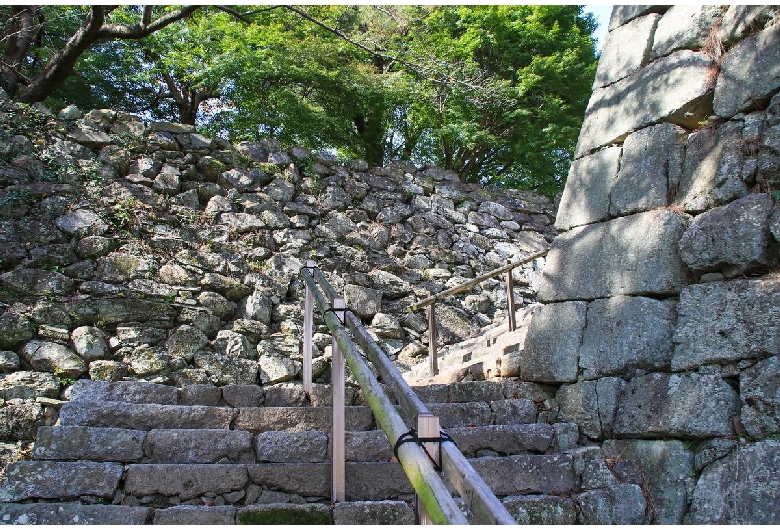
663,290
152,252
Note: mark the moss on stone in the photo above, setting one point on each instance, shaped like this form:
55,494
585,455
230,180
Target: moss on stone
269,514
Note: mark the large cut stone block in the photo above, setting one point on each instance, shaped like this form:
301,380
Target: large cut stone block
685,27
749,73
760,392
515,475
126,391
625,334
626,50
665,466
553,341
619,504
676,89
626,13
586,196
633,255
741,488
71,513
726,322
741,20
58,480
687,406
592,405
198,446
186,515
509,439
734,239
144,416
185,480
711,171
297,419
280,446
541,509
651,162
373,513
308,480
89,443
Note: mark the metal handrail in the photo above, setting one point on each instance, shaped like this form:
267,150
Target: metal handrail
474,281
431,300
438,503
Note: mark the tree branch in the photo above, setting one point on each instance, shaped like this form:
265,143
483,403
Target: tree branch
139,31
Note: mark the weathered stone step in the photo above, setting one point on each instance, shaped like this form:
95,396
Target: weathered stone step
59,480
465,391
144,416
211,446
72,513
163,485
343,513
253,419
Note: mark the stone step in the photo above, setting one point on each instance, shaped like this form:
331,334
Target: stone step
211,446
146,417
343,513
72,513
166,485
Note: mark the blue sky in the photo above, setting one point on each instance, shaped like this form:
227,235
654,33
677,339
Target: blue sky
602,13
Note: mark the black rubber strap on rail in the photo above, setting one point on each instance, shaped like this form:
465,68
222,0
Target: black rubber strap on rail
310,270
337,310
411,436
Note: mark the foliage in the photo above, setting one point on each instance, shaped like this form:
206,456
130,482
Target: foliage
495,93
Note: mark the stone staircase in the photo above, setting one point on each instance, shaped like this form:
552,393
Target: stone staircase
491,355
141,453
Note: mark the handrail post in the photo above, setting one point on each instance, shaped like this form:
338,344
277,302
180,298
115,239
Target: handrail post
510,298
308,332
428,427
433,361
338,453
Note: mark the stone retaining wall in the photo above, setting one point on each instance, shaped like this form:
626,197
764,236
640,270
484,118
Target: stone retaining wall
152,252
661,295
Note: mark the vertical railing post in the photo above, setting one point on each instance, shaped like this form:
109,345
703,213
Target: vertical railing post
308,332
433,361
510,298
428,427
338,454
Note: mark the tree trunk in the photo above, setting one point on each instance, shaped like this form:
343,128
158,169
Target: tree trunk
21,34
92,30
370,130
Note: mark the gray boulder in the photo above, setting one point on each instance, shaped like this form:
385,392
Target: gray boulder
673,89
664,468
733,239
625,334
591,176
620,504
633,255
592,405
759,388
740,488
81,223
651,162
625,50
234,344
29,385
89,343
749,72
185,341
685,27
688,406
53,358
552,344
724,322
